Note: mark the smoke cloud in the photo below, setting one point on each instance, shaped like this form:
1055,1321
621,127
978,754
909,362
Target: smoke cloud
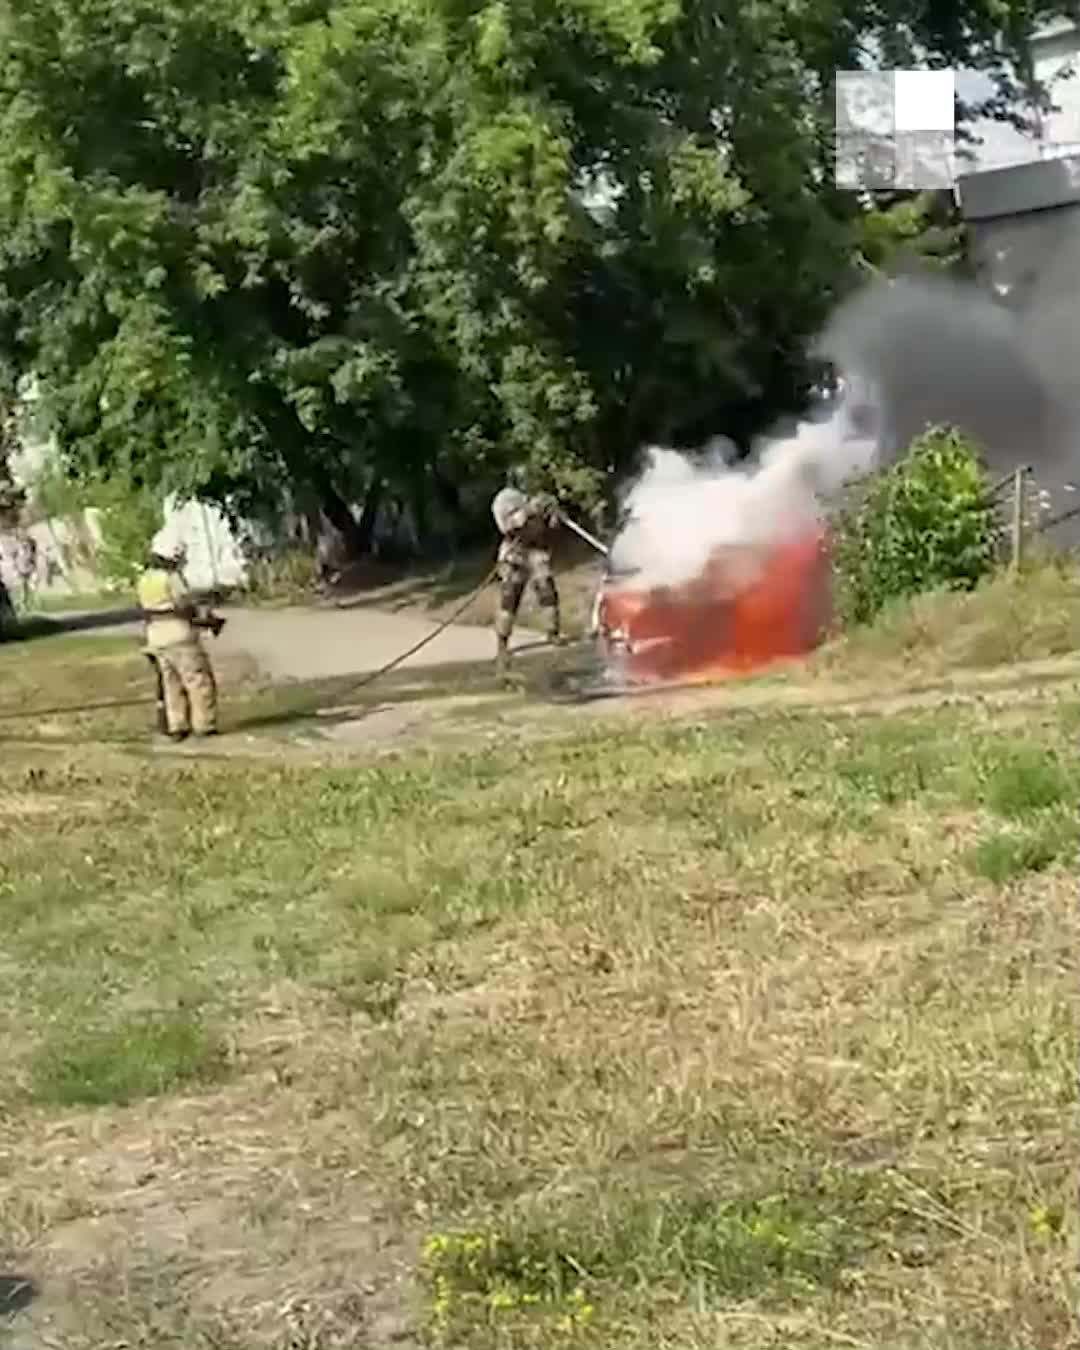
680,512
910,353
938,352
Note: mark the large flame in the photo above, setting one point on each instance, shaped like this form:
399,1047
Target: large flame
746,609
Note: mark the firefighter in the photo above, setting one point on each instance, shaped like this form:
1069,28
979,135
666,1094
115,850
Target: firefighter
526,523
174,624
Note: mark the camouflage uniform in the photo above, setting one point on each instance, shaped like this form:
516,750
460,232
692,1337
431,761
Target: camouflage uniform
525,524
172,639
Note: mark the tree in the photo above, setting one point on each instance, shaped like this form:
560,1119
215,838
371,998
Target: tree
332,248
911,230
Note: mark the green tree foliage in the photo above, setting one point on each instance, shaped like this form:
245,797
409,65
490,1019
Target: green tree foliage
128,512
920,230
129,516
12,497
926,523
320,247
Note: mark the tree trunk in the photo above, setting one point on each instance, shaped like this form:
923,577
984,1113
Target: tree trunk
336,510
448,496
369,515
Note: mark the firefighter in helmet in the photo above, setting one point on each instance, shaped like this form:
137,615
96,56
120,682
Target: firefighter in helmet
526,521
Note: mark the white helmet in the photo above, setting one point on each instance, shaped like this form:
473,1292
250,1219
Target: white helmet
167,544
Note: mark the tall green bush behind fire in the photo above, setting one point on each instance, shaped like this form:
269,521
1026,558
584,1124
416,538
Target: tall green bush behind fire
927,523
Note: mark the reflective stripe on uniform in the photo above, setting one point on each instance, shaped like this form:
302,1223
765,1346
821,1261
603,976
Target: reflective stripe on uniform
165,602
155,591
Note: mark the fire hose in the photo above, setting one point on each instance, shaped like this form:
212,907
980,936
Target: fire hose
159,696
374,675
466,603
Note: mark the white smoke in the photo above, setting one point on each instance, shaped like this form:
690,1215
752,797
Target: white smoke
914,352
680,512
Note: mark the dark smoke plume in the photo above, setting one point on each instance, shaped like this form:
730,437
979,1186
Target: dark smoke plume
935,352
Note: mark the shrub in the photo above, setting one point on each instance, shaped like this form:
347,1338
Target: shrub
288,576
925,524
129,514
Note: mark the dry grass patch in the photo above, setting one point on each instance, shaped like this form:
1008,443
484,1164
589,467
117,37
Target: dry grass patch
1004,620
753,1031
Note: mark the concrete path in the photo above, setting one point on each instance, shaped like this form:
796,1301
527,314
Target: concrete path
311,644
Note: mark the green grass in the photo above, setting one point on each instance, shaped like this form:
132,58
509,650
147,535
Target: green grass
746,1030
143,1057
1002,857
1002,621
1029,779
42,602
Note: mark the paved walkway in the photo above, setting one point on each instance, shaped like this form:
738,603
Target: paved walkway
311,644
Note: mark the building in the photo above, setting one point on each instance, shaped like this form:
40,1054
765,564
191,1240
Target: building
1020,195
1020,198
1056,59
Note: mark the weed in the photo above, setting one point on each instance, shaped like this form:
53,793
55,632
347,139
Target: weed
142,1057
1008,854
1027,779
482,1275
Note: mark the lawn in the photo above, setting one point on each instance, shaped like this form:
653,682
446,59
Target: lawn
753,1030
74,602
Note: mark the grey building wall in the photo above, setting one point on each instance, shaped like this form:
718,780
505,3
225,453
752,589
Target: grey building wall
1024,225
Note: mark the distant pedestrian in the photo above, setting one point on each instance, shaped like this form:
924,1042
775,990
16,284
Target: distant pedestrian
26,561
8,618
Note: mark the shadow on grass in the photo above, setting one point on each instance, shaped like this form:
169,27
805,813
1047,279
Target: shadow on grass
16,1293
43,625
539,673
447,585
441,585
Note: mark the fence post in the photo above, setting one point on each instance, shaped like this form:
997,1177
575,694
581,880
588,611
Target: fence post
1017,557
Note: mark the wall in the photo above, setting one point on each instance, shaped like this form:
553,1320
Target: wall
65,551
214,556
1016,255
1024,226
1056,59
64,548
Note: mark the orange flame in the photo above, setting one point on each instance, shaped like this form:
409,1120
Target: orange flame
742,612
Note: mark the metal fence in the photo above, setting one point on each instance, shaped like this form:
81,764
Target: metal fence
1026,511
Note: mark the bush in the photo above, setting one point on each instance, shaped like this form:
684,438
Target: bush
927,523
128,517
129,514
288,576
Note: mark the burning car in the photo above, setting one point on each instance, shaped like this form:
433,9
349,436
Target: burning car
747,608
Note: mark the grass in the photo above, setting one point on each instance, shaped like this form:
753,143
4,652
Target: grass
57,602
144,1056
999,623
743,1030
